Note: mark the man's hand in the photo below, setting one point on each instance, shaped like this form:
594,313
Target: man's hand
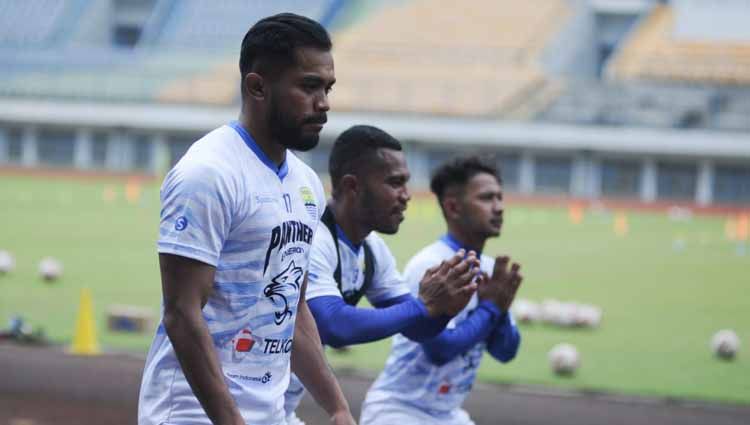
446,288
501,288
343,418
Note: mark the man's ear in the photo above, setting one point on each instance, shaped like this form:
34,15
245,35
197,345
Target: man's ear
349,185
254,86
451,208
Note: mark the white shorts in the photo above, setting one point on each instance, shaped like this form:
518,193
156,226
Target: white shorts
392,413
292,419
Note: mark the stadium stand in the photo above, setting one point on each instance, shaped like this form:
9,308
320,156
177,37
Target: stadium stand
654,53
196,24
409,58
187,52
623,103
36,23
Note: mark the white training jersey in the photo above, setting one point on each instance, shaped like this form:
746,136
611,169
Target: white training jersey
409,378
386,283
227,204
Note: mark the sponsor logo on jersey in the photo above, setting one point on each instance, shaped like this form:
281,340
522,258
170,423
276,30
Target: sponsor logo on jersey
181,223
266,378
288,232
244,341
278,345
282,287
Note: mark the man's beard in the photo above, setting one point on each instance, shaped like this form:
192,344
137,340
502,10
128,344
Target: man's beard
289,134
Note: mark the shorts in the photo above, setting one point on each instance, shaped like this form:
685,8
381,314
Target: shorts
392,413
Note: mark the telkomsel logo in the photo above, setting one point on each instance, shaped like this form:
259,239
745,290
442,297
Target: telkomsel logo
278,345
283,285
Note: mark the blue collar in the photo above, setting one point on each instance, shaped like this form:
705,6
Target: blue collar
281,170
455,245
342,236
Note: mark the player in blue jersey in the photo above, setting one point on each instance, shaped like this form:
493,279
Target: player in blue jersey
349,260
239,211
427,382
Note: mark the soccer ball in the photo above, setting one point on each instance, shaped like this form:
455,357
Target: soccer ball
587,315
563,359
50,269
551,311
725,344
7,262
525,311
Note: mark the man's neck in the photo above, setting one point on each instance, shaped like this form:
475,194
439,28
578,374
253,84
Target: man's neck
466,240
352,228
262,137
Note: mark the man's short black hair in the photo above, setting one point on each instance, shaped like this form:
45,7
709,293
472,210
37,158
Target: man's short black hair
271,42
458,172
355,149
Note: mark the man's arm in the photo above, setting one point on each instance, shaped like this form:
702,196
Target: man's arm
453,342
504,340
310,366
443,289
340,324
186,286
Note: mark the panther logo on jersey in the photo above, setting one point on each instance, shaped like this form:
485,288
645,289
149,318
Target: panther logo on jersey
282,287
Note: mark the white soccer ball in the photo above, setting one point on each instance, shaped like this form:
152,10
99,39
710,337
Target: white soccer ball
7,262
566,314
525,311
550,311
725,344
588,316
564,359
50,269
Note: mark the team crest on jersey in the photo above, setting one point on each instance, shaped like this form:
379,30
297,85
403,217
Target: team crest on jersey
283,286
309,200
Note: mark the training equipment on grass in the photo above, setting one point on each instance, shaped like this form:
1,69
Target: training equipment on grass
50,269
7,262
569,314
526,311
564,359
586,315
725,344
84,340
128,318
621,226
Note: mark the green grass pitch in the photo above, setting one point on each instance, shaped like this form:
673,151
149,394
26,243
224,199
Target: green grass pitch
661,305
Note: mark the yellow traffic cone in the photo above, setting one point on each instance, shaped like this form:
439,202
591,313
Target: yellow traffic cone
621,226
575,213
84,340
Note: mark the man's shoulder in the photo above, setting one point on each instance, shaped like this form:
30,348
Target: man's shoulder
301,168
213,154
377,244
428,256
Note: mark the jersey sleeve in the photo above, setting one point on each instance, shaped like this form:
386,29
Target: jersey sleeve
323,261
387,282
195,213
414,272
320,195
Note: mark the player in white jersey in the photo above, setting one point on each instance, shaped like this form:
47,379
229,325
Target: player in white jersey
427,382
238,217
348,260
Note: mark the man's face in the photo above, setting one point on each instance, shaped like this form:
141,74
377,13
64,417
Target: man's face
384,193
299,99
481,206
